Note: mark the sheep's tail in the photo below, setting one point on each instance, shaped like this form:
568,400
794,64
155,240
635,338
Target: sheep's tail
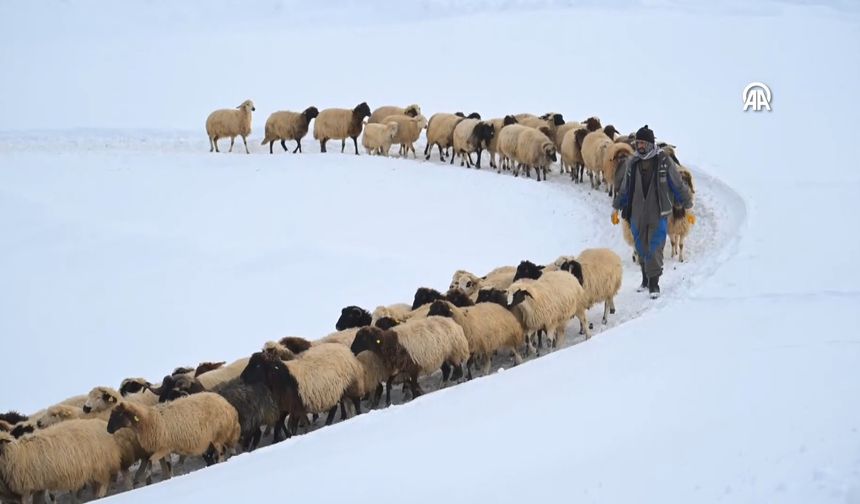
265,141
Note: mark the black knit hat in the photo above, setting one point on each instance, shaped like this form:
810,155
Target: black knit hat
645,133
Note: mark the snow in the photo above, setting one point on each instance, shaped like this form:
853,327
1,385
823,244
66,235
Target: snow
126,249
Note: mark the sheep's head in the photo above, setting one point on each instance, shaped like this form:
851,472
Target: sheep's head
100,399
205,367
458,298
440,309
352,316
247,106
5,439
474,115
574,268
460,114
259,368
549,151
133,386
493,295
386,323
122,416
622,152
174,387
528,269
5,426
518,296
182,370
310,113
485,132
278,350
578,136
56,414
362,110
295,344
13,417
425,295
421,121
22,429
546,131
553,118
508,120
412,110
610,131
592,123
367,338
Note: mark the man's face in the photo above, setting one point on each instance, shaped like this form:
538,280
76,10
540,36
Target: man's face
642,146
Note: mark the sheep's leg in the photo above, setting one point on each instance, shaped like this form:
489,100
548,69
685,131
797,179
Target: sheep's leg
342,144
356,402
453,155
331,413
612,306
141,471
606,311
245,141
215,143
681,248
283,145
414,386
292,426
166,468
271,143
427,149
441,154
343,414
518,359
488,363
446,372
478,164
388,384
322,144
583,320
232,141
458,371
469,364
280,427
377,395
211,145
355,144
298,146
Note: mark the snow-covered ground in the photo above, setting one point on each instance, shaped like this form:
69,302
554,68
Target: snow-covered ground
126,249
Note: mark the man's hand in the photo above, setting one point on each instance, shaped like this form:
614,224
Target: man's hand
691,218
615,217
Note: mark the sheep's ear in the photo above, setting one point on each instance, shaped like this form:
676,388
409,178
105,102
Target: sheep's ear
111,399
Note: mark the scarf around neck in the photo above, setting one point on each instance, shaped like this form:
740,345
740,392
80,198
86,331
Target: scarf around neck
648,155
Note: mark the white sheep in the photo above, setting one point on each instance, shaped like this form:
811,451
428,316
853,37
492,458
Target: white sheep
681,221
286,125
62,458
493,147
548,303
340,124
535,150
408,131
499,278
440,132
571,149
418,347
488,328
379,115
225,373
377,138
613,157
200,424
230,123
594,148
471,135
507,144
600,273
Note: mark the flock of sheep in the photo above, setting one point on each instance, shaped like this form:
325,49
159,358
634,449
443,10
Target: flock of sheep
217,409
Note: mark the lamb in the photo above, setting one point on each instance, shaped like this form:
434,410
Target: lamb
408,131
594,148
377,138
200,424
493,146
548,303
535,150
613,157
256,408
440,132
379,115
340,124
470,283
488,328
680,223
418,347
471,135
286,125
315,382
600,273
62,458
229,123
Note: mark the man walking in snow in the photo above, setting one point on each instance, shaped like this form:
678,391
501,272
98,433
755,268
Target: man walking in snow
646,188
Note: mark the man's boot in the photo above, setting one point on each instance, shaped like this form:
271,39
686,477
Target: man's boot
644,286
654,287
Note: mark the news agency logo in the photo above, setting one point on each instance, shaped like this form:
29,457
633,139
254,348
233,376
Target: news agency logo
756,96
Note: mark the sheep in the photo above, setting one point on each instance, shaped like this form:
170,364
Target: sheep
488,328
572,147
613,157
558,140
229,123
212,378
377,138
63,412
535,150
379,115
315,382
627,234
77,401
175,386
205,367
493,145
256,408
600,273
22,429
65,457
551,120
418,347
548,303
507,144
471,135
200,424
286,125
6,426
353,316
13,417
470,283
340,124
594,147
680,223
440,132
138,390
408,131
